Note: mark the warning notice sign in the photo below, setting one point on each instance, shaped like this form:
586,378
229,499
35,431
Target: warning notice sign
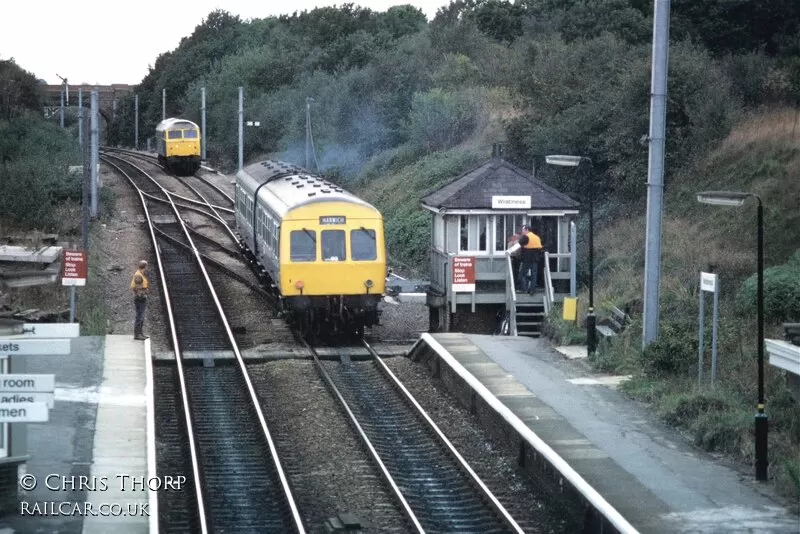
75,268
464,274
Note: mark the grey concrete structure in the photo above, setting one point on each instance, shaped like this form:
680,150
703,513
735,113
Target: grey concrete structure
551,404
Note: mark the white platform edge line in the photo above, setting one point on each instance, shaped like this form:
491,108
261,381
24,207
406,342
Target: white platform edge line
152,496
530,436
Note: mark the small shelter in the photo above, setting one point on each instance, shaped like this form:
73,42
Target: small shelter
473,280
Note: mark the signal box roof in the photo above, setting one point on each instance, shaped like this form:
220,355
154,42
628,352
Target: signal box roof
474,189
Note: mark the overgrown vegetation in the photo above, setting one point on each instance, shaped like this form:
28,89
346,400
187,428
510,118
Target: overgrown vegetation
402,105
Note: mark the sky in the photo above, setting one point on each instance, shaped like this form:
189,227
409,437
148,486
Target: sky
107,42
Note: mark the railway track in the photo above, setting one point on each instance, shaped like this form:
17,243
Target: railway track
238,480
433,485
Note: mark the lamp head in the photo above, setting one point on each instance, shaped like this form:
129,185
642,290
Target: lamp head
722,198
563,161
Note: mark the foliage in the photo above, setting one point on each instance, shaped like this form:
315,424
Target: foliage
19,91
562,332
33,177
781,292
439,120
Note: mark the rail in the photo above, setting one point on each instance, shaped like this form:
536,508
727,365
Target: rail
549,298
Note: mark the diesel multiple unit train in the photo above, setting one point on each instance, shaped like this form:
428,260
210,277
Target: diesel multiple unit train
178,146
320,247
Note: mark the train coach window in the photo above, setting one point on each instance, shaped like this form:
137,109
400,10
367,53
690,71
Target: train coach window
362,245
303,245
333,248
190,134
174,134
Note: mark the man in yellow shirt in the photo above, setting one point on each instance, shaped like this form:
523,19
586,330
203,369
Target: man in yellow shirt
140,288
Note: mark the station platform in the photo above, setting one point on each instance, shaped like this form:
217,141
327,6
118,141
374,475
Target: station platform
97,451
611,456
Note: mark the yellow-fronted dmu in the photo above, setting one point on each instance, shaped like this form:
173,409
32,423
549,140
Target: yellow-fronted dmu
321,248
178,146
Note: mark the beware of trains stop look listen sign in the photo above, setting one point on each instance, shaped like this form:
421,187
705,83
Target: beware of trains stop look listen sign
75,268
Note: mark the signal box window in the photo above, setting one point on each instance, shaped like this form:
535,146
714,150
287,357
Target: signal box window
174,134
362,245
333,248
190,134
303,245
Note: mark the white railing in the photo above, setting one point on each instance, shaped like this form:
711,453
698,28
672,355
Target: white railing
511,297
549,297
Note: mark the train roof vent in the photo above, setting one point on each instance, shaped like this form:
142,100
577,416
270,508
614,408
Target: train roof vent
339,190
326,190
317,185
288,178
311,194
300,185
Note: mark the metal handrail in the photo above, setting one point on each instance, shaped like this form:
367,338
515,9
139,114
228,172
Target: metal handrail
548,285
511,297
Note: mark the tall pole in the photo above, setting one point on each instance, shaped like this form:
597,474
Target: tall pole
95,152
62,105
136,122
308,131
80,117
761,422
241,128
203,123
591,319
163,104
655,171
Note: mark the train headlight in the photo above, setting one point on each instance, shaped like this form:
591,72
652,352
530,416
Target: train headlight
299,284
369,283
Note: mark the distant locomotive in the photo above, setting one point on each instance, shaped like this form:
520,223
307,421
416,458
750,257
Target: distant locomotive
178,146
321,247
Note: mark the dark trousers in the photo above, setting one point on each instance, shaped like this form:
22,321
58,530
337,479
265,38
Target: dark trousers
528,274
140,304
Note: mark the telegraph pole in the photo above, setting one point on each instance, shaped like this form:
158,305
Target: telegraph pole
308,131
136,122
95,151
241,128
163,104
80,117
655,171
203,124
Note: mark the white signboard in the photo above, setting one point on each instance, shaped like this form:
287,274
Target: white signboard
24,412
511,202
47,398
48,330
29,347
14,383
708,282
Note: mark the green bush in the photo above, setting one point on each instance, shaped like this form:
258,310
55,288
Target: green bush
439,119
672,353
781,292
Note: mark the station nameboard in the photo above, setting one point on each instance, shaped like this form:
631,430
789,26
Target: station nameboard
500,202
74,268
464,274
48,330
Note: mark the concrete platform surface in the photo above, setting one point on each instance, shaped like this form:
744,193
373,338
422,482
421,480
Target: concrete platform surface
86,457
644,469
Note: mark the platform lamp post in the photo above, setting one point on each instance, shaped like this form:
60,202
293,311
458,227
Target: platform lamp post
733,198
591,319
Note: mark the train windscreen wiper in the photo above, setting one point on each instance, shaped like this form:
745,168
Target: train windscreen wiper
368,233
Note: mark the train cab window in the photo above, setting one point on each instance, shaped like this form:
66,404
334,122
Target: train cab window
174,134
303,245
190,134
333,248
362,245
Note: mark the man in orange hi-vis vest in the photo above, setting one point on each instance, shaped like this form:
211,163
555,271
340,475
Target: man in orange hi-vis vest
140,288
531,252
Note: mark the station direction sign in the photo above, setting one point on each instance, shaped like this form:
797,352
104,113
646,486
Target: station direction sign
6,397
48,330
24,412
31,347
16,383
